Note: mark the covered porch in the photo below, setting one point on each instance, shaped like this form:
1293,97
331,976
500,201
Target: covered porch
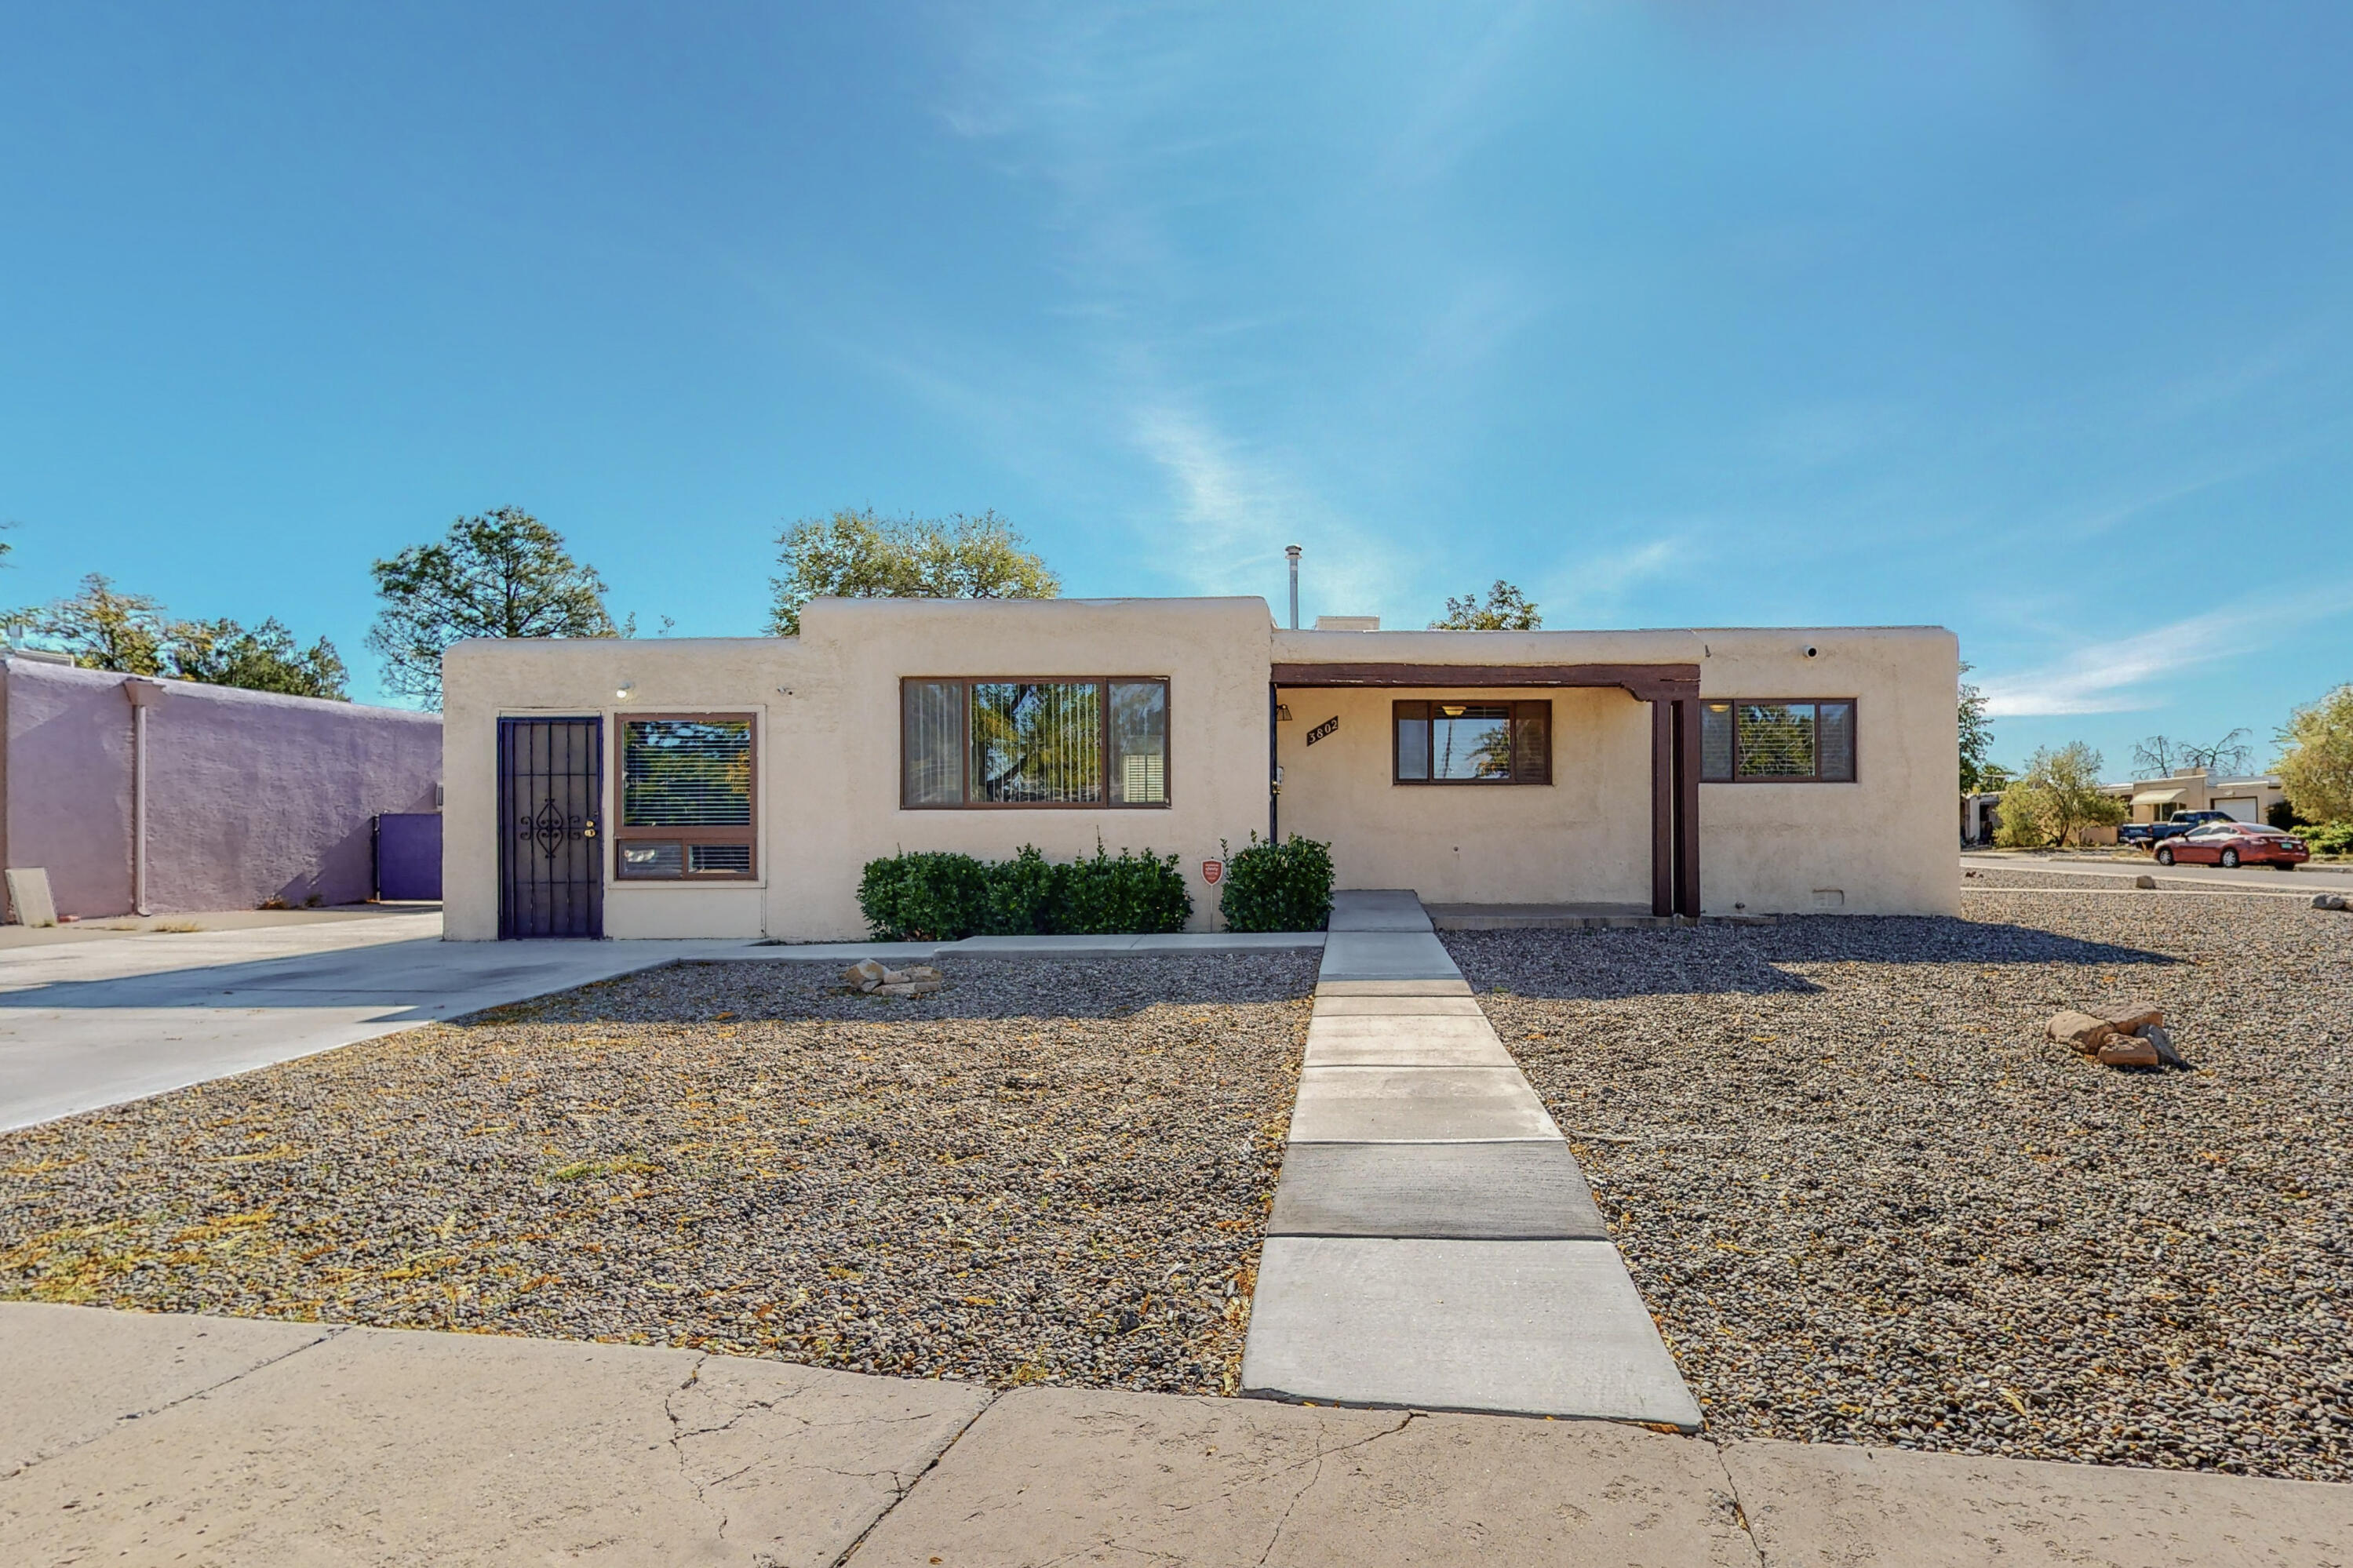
1622,801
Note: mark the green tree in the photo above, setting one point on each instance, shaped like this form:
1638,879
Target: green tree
859,555
1977,740
2057,798
501,574
2316,769
258,659
1506,610
105,629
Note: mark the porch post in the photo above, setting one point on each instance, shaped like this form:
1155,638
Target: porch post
1662,809
1687,806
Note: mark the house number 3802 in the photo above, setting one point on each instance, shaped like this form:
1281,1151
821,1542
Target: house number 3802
1323,729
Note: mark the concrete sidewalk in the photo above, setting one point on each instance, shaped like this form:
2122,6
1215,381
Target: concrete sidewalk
1433,1243
211,1441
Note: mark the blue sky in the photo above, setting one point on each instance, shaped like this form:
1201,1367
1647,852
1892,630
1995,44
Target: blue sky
2033,320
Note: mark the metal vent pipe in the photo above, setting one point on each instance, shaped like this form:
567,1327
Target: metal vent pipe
1293,551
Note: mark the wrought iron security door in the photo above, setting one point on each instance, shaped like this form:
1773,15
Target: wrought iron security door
550,852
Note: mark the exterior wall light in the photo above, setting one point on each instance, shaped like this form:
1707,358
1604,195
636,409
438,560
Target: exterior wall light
623,692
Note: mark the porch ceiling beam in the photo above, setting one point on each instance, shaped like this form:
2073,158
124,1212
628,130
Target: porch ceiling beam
1648,682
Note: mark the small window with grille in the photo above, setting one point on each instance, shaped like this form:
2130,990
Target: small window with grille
686,811
1780,739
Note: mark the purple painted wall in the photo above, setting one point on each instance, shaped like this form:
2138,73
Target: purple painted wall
251,796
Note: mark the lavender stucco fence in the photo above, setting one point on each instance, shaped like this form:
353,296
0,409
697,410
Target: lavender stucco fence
251,796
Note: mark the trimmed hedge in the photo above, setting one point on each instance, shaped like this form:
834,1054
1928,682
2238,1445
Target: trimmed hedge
1277,887
937,896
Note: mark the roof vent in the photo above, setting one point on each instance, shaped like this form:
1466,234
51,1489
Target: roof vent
1348,623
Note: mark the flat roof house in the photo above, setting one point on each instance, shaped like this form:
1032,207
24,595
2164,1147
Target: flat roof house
711,787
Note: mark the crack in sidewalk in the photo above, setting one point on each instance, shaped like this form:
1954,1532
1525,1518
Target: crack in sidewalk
1739,1508
328,1332
903,1487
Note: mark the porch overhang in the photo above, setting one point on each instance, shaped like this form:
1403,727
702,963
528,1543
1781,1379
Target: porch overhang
1645,682
1671,690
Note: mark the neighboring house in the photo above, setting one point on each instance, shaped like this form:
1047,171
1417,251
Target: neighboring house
1980,816
735,787
2196,789
250,796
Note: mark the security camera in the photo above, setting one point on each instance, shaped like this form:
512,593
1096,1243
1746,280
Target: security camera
1811,650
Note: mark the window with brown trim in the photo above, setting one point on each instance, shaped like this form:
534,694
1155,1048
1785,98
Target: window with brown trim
1069,742
1776,740
686,798
1463,741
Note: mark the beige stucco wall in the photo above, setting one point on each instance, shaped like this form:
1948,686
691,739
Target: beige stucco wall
828,760
1883,844
1585,839
828,745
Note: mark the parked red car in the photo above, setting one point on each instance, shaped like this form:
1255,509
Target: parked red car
2234,844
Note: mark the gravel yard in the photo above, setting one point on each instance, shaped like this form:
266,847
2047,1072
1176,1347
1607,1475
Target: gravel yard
1050,1171
1868,1203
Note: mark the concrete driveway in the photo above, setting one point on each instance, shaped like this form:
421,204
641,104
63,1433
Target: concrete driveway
93,1024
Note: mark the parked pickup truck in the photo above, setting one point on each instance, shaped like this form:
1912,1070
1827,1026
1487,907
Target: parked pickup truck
2172,827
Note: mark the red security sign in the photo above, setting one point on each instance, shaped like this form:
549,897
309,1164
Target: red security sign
1213,871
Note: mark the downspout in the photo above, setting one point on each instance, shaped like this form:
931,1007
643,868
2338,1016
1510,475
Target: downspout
144,695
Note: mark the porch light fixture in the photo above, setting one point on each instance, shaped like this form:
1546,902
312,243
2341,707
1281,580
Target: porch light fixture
1451,709
623,692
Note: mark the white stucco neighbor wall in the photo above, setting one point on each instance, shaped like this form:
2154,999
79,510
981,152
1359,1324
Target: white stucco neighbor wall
829,745
829,754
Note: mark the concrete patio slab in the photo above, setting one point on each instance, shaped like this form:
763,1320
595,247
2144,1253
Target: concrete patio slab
1530,1190
74,1375
1821,1506
1390,909
1385,955
1083,1476
1533,1328
1394,1007
1417,1105
1405,1041
1443,987
384,1447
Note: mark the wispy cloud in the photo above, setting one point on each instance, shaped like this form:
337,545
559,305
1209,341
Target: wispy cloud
2117,677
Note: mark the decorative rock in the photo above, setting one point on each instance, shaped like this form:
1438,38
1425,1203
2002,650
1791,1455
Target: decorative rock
865,974
2144,881
2127,1051
2081,1030
908,987
2161,1042
2134,1017
2328,900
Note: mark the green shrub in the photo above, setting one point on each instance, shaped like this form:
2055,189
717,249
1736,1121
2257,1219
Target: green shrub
2328,837
928,896
1277,887
932,896
1023,893
1130,892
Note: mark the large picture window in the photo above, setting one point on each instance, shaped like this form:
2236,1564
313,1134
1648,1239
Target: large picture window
1777,741
686,799
1472,742
1002,743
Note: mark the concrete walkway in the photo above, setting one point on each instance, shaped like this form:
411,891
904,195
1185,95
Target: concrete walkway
222,1443
98,1022
1433,1244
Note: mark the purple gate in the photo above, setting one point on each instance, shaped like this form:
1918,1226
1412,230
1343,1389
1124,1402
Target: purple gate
408,855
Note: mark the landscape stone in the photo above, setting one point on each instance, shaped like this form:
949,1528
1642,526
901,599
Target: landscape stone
2127,1051
2132,1017
2145,880
2328,900
865,972
2081,1030
2162,1041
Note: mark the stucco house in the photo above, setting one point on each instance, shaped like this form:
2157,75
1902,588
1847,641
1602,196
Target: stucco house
736,786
